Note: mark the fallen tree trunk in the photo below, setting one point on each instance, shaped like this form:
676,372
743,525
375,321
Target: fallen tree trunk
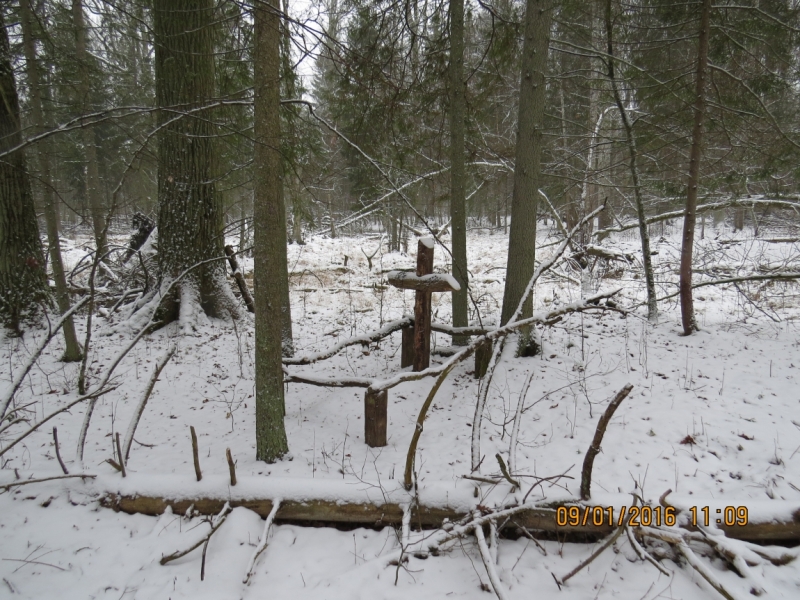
329,501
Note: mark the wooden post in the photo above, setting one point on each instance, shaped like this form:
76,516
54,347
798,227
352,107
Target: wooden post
483,354
375,417
422,308
407,347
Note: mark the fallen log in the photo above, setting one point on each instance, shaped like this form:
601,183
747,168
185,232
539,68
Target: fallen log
335,501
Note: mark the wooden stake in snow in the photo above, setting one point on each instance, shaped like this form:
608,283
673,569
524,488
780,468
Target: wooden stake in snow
231,465
58,452
195,454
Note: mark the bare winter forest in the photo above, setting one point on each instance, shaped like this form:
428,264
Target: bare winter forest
340,299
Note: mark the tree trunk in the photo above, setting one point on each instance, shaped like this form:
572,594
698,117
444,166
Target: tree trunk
644,235
94,188
457,176
270,237
23,281
72,350
687,308
522,238
189,211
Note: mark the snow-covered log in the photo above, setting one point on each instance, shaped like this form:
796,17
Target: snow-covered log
435,282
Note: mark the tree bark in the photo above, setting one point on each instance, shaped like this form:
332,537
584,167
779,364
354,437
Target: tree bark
644,235
94,189
189,212
687,307
72,350
270,237
457,175
522,238
23,281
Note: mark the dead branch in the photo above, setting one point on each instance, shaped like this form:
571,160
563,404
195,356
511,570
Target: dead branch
58,452
702,208
584,563
8,395
262,543
231,466
514,321
91,395
216,524
195,454
8,486
491,570
698,566
364,339
441,371
767,277
322,382
237,275
512,444
642,553
594,449
137,414
119,456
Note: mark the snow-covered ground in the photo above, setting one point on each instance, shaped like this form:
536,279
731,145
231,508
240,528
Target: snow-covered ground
713,416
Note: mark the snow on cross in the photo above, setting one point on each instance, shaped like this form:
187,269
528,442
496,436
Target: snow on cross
416,340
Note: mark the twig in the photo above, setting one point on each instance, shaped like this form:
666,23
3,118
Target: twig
195,454
219,520
363,339
505,472
119,455
137,414
443,370
643,554
512,444
58,452
529,535
698,566
491,571
516,322
594,449
8,486
262,543
231,466
5,400
93,394
610,540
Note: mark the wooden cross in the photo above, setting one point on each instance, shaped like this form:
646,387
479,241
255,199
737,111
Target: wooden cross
424,282
416,341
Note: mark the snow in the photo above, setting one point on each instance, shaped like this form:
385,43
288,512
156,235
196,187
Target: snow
732,389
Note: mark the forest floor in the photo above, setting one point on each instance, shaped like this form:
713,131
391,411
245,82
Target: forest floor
714,417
